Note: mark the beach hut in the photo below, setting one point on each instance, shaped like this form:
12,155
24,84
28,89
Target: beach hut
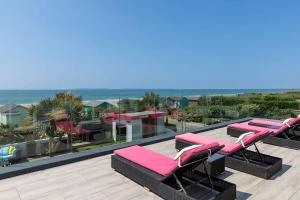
103,105
177,102
12,114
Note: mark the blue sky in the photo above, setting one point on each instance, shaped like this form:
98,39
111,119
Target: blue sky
149,44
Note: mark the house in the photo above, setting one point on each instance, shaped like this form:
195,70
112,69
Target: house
92,105
140,124
178,102
12,114
193,100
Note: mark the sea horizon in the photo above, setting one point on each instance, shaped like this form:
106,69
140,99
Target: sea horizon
31,96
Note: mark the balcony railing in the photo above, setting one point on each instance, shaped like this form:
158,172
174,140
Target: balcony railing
66,123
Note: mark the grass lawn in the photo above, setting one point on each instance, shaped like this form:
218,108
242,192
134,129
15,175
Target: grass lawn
96,146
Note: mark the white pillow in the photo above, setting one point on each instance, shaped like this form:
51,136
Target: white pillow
240,139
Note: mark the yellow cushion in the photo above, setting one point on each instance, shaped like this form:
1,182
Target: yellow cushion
10,150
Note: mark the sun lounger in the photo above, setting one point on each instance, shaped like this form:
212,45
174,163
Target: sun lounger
287,135
173,179
237,156
291,122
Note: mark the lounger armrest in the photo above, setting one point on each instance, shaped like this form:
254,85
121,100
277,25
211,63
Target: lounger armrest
258,139
185,149
241,137
286,122
180,153
203,155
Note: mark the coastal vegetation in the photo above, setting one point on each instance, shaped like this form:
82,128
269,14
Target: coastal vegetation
150,101
60,103
39,124
213,109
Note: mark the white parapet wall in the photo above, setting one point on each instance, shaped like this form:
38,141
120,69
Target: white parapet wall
38,147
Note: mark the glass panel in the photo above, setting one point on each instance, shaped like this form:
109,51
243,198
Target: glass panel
63,122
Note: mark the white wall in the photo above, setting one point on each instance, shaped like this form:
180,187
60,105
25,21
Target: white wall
136,127
160,125
3,118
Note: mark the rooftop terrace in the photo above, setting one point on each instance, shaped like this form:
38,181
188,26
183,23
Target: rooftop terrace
95,179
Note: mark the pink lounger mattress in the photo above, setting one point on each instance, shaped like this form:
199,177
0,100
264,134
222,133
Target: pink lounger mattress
258,122
157,162
229,148
265,122
256,128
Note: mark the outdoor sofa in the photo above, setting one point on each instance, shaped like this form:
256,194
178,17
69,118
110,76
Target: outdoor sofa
237,156
7,154
173,179
283,134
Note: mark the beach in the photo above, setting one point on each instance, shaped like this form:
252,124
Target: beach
28,97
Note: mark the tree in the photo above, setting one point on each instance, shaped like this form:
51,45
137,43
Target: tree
128,105
66,105
217,111
249,110
204,101
66,102
71,104
47,129
151,100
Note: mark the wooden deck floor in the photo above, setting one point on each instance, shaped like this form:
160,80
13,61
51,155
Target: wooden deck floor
94,179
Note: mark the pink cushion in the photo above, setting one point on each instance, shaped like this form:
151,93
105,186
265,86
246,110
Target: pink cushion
229,147
199,139
271,123
264,122
151,160
294,121
186,155
195,138
249,128
247,140
250,138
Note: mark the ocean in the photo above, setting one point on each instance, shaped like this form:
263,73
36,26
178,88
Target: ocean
34,96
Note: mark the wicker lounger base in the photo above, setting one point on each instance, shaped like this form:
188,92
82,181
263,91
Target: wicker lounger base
254,167
235,132
168,189
273,140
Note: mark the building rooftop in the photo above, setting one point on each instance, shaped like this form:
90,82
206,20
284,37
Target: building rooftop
7,107
138,115
95,179
177,98
96,103
193,98
93,103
